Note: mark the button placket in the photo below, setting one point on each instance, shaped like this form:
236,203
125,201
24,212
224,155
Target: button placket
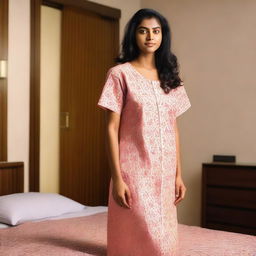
160,121
161,146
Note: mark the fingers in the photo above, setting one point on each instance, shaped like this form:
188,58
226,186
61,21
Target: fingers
124,200
177,194
125,203
128,198
180,194
177,190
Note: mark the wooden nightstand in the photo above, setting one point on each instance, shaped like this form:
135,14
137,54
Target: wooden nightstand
229,197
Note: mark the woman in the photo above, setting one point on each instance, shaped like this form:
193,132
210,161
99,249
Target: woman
144,95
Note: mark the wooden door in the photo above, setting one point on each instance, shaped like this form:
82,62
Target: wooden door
89,45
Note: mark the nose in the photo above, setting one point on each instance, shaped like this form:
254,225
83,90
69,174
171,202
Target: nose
149,35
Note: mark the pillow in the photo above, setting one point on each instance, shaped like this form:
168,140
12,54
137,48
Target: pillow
18,208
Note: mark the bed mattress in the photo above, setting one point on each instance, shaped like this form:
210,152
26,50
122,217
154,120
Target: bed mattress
85,234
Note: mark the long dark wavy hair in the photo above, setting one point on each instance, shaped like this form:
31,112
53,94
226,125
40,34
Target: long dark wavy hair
165,61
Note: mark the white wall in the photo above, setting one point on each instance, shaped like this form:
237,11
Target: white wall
215,45
18,83
128,8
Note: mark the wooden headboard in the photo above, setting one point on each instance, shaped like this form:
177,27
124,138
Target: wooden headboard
11,178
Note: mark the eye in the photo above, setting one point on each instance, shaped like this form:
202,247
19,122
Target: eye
156,31
142,31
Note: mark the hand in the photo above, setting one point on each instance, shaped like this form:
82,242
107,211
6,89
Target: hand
180,190
121,193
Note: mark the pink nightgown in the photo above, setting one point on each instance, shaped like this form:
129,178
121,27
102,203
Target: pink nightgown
147,153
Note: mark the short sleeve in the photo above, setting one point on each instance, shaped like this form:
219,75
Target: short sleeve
182,101
112,95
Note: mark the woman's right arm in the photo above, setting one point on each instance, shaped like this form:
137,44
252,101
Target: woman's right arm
121,192
112,124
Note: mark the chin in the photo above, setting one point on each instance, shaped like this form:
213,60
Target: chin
150,50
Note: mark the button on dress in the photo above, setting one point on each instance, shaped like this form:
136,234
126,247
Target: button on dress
147,156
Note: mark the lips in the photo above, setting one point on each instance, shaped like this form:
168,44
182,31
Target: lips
149,44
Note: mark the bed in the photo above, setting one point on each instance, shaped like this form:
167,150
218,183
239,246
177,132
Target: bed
81,230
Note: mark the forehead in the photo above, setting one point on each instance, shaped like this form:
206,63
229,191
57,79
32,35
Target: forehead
150,23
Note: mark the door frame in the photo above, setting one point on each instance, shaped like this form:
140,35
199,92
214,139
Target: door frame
35,16
4,7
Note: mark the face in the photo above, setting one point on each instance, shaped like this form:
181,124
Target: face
149,35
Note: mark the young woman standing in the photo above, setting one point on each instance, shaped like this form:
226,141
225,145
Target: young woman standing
144,95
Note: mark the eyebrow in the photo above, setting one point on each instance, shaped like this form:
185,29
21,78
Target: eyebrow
147,28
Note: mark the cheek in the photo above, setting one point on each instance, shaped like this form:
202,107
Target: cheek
159,40
140,40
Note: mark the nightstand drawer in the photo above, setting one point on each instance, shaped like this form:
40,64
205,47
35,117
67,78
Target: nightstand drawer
231,176
242,198
245,218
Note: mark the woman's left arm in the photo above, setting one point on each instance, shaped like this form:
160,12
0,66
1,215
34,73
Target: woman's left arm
180,188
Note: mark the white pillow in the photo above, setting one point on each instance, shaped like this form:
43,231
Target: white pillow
21,207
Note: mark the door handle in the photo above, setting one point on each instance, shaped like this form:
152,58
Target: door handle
3,69
64,120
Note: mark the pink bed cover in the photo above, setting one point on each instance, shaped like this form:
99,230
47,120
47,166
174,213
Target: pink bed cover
87,236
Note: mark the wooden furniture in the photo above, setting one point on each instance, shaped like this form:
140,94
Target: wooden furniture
229,197
11,178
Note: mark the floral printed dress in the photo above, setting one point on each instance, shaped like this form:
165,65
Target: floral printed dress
147,155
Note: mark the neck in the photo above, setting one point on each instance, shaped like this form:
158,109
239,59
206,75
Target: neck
146,60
